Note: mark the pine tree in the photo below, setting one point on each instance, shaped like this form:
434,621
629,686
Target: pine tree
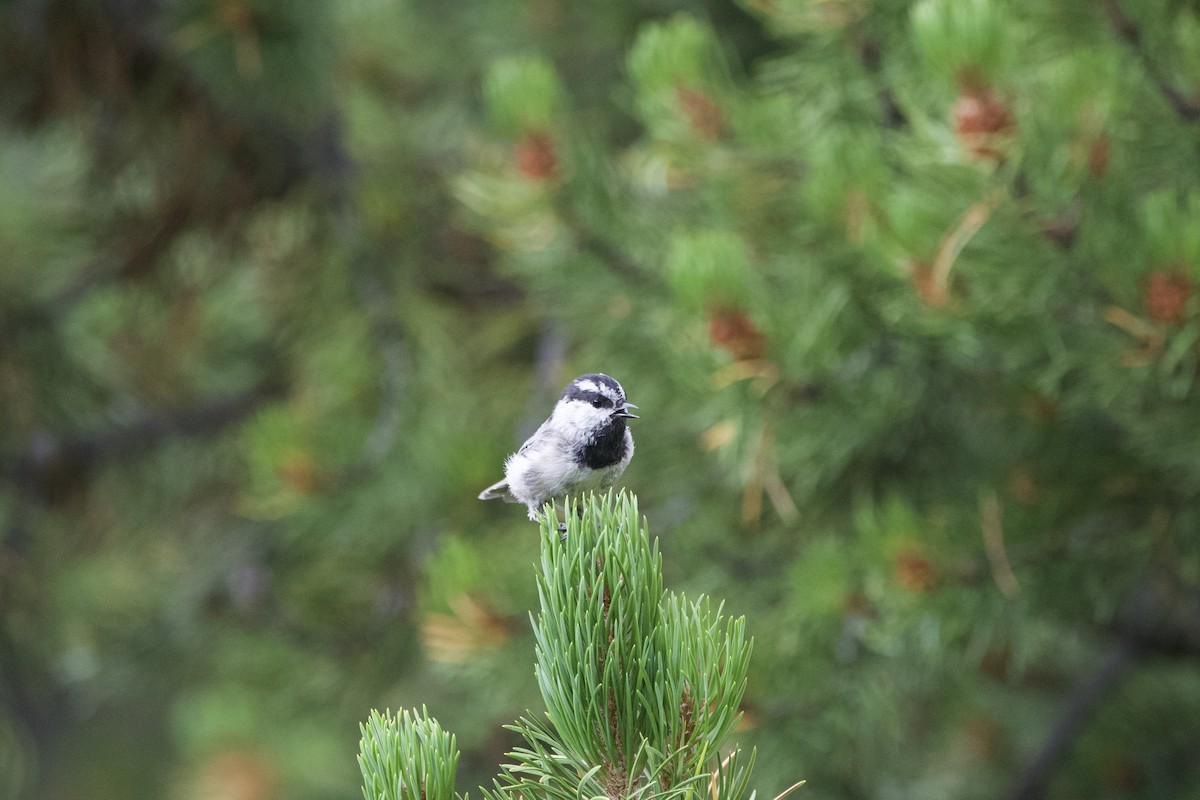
905,291
641,686
918,286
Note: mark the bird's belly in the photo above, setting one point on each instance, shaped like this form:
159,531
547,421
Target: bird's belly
572,482
592,479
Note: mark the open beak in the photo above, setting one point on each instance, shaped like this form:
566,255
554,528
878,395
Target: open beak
623,411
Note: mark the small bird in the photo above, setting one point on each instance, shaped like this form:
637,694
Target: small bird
584,445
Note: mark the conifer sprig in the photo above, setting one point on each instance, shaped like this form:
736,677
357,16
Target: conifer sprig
641,686
406,757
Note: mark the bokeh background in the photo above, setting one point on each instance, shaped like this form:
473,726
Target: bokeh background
904,291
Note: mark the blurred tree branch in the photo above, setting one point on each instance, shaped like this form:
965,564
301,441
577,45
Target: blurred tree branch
1129,32
51,466
257,158
870,55
1158,621
219,162
1087,695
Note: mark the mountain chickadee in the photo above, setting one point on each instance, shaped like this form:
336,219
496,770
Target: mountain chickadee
584,445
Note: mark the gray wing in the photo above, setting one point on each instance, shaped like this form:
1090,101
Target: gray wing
538,439
501,490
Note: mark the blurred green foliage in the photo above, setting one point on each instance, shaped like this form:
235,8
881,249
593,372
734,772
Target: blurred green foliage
904,291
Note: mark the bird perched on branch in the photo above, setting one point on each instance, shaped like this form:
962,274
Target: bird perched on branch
585,445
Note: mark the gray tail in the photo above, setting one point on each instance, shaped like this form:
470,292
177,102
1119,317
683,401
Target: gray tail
497,491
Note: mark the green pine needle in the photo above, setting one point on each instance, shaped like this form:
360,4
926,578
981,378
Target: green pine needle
642,687
406,757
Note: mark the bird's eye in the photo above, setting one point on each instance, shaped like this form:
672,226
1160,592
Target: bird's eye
597,403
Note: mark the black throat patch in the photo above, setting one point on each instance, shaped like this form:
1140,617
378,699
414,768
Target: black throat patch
606,448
